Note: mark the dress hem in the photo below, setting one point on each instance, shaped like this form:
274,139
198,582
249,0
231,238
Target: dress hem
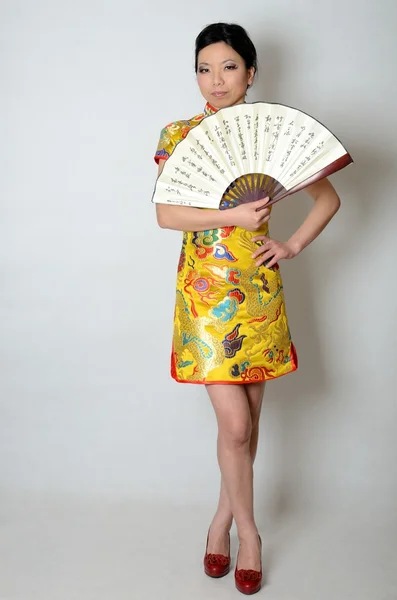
294,367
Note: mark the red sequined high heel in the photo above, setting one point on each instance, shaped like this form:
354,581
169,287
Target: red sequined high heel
248,581
216,565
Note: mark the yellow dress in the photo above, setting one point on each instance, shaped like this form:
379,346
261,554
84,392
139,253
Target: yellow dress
230,323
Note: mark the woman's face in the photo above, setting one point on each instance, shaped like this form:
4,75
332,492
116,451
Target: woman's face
221,69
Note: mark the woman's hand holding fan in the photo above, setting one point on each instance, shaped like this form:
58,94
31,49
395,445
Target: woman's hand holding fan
251,216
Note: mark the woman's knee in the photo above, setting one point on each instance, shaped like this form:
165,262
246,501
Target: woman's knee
236,433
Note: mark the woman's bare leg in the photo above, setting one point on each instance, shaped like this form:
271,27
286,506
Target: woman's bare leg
223,518
237,408
255,393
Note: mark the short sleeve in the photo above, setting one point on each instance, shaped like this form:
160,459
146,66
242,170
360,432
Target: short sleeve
166,144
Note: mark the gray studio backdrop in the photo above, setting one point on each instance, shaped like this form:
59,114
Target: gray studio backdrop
87,276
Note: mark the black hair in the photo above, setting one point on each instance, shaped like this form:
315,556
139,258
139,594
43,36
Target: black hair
232,34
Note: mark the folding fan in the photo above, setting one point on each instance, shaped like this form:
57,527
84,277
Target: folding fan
246,152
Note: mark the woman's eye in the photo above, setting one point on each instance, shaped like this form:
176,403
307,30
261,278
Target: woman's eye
231,67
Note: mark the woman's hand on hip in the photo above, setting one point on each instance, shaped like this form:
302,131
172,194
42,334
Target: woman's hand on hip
273,250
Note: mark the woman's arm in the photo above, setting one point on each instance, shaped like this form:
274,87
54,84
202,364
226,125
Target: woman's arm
326,204
185,218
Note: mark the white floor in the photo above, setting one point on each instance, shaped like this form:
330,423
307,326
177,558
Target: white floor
61,549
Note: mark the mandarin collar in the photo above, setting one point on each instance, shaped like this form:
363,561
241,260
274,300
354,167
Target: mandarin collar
210,110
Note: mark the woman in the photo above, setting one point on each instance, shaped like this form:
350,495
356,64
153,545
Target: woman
230,326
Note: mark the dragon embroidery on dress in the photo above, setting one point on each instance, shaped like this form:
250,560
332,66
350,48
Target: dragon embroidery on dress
222,297
205,349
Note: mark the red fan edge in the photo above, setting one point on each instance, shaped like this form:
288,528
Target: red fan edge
330,169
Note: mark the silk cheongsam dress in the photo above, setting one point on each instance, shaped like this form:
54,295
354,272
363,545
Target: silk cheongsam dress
230,322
